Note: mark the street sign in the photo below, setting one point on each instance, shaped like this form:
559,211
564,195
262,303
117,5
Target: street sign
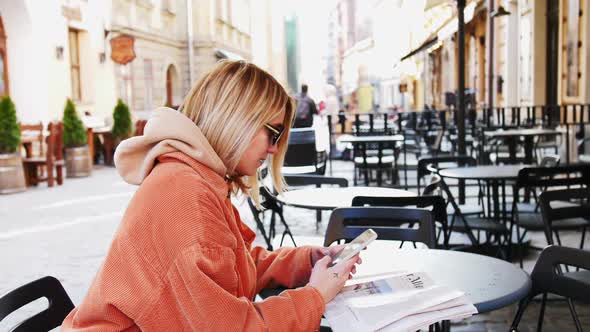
122,51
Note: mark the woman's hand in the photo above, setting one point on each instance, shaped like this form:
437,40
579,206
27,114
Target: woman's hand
318,253
330,280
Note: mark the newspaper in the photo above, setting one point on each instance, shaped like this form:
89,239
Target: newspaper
395,302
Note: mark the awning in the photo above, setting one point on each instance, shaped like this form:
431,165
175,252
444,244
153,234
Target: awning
428,43
429,4
225,54
448,29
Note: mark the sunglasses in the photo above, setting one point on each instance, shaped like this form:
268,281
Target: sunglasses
275,133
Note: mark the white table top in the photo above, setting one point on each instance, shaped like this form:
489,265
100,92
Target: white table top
490,283
584,158
372,139
490,172
523,132
335,197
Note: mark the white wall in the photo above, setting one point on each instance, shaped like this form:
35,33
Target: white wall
27,65
40,82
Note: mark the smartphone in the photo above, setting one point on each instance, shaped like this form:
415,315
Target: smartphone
354,247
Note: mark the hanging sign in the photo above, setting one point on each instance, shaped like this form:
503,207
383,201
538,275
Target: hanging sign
122,49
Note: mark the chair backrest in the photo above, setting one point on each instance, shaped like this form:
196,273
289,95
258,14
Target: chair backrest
432,186
422,170
301,150
34,130
550,160
48,287
347,223
548,277
551,214
139,127
317,180
544,177
438,204
54,142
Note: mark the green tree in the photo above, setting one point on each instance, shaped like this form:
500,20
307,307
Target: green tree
9,130
74,131
121,121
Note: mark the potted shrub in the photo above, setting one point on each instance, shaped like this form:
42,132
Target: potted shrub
122,126
78,162
12,176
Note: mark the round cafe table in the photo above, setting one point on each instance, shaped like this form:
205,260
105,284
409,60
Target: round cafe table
495,172
489,283
332,198
511,135
495,175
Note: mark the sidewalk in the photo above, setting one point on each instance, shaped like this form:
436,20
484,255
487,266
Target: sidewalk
65,231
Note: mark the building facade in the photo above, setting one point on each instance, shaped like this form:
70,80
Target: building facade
366,43
58,49
538,52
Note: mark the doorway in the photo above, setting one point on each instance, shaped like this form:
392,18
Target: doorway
4,88
171,81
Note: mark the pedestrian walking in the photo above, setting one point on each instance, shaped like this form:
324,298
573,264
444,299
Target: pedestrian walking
305,109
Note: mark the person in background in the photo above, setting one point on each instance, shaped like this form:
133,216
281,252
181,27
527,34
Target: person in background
305,109
182,259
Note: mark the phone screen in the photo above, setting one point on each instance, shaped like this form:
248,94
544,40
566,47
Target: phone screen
354,247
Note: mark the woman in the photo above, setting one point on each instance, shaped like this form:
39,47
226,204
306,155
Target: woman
182,258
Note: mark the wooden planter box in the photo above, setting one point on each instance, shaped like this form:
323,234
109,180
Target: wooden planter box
12,176
78,162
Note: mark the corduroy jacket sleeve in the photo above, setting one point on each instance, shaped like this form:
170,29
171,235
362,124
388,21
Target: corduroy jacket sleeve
288,267
199,280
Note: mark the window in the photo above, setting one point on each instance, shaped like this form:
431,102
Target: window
126,80
74,43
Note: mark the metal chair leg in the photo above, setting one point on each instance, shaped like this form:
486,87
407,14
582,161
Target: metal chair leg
574,314
521,309
542,313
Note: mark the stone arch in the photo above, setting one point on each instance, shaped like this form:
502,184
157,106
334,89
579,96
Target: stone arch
172,86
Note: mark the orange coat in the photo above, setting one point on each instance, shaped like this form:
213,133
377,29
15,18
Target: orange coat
182,261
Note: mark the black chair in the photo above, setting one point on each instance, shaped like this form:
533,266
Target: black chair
369,157
48,287
434,164
548,277
543,178
437,203
422,169
557,217
546,161
472,222
347,223
269,202
301,156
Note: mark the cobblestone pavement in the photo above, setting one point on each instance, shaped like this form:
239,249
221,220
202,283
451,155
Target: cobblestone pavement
66,231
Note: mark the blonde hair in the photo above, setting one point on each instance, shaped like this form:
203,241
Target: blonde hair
230,104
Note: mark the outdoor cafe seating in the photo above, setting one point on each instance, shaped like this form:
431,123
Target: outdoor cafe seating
302,155
48,167
32,134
